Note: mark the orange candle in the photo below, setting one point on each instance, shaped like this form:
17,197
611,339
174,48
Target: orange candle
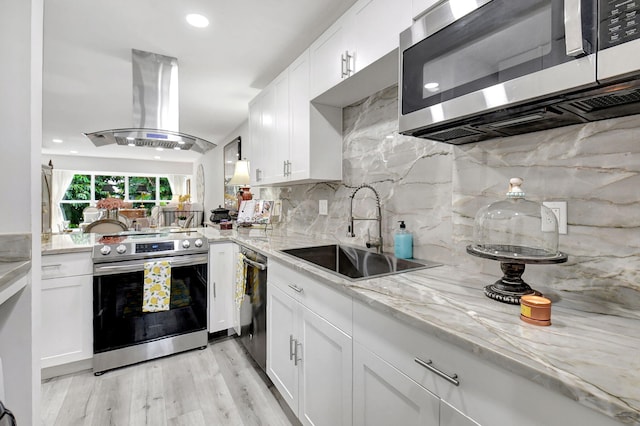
535,310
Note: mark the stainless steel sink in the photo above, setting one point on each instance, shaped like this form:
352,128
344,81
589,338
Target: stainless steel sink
355,263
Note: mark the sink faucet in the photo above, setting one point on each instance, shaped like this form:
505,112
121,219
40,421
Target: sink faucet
377,243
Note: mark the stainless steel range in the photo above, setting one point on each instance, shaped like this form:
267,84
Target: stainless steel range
149,296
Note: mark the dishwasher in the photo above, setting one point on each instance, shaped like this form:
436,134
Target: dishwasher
251,326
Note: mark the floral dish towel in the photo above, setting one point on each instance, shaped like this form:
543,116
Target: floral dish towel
157,286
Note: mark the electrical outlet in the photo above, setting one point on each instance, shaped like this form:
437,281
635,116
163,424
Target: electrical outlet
559,208
323,207
277,208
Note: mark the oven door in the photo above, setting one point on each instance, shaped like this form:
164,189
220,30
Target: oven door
456,64
118,290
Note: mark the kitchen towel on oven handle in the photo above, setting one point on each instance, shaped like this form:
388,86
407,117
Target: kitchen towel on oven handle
157,286
242,308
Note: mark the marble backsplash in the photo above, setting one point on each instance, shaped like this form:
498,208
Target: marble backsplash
437,189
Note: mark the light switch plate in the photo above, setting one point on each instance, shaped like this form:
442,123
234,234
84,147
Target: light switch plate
323,207
559,208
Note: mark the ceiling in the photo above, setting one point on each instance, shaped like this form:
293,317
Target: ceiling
87,80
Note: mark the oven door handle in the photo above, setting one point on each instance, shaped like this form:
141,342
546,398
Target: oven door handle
259,265
135,266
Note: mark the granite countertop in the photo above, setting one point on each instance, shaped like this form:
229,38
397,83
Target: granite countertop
591,358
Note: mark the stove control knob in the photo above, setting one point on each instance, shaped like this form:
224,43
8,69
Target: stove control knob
121,249
186,244
105,250
198,243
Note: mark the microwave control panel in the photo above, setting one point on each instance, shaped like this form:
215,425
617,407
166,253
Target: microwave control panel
619,21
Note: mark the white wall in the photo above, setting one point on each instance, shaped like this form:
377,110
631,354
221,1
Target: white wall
213,163
117,165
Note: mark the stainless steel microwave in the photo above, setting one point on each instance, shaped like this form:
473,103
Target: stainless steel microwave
478,69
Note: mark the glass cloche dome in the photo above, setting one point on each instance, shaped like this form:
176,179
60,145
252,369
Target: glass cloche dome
515,231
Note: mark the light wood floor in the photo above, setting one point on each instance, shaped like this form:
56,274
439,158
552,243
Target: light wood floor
216,386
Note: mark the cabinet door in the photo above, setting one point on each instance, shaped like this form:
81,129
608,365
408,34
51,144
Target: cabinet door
280,143
221,286
67,318
325,58
374,28
449,416
299,125
256,139
281,335
384,396
326,372
267,135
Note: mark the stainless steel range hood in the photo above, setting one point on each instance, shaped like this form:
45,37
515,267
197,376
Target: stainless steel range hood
155,109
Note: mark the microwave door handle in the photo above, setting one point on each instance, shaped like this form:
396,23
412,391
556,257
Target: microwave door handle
573,28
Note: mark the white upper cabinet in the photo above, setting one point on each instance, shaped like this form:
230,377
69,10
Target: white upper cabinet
375,29
329,64
368,31
293,141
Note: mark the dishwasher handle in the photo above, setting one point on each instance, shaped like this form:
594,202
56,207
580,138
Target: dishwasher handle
261,266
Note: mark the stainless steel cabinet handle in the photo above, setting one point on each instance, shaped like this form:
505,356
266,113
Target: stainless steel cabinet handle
295,355
343,66
291,340
296,288
53,265
429,366
349,59
573,28
214,290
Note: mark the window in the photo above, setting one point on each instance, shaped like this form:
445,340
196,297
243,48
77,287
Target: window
86,189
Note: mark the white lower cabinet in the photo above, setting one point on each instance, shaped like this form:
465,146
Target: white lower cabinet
222,260
382,395
67,309
486,394
309,359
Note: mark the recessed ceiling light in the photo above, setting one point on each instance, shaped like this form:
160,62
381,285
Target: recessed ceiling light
180,142
157,157
56,140
197,20
177,148
131,144
159,149
73,152
389,137
130,138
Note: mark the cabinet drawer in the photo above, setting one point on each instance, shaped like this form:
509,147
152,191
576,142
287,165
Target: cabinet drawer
330,304
66,265
487,393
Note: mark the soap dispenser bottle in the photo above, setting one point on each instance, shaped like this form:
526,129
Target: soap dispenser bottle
403,242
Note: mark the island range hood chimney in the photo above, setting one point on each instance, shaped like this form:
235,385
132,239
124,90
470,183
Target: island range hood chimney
155,109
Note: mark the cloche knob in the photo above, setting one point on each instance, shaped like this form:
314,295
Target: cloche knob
105,250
